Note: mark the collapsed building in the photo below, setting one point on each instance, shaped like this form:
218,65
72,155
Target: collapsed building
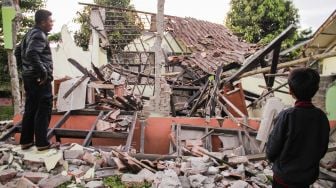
106,103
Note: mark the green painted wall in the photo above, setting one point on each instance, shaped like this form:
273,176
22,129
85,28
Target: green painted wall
331,102
8,13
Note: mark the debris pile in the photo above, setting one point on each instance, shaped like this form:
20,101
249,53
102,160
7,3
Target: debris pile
80,166
114,122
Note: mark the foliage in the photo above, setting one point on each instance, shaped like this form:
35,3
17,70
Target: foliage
260,21
28,7
123,30
56,37
6,112
115,182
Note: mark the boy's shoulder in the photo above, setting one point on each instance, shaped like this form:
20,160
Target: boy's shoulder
313,110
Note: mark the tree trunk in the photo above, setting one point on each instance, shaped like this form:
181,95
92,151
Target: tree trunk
159,56
14,81
12,63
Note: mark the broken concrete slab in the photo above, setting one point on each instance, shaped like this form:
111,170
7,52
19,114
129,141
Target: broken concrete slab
146,175
197,180
166,179
238,160
51,160
73,154
132,180
95,184
35,177
239,184
54,181
7,175
25,183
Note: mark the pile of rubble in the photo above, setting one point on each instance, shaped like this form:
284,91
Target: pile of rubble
114,122
73,165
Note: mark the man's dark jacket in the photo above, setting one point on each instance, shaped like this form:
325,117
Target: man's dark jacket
35,55
297,143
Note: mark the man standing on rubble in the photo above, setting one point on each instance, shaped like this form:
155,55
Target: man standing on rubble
300,136
37,68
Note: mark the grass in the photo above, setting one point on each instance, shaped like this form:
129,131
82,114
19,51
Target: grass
6,112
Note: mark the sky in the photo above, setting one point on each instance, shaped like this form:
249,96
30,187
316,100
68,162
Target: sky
312,13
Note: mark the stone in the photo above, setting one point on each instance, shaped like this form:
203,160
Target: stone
131,179
167,179
7,175
212,170
51,161
25,183
35,177
95,184
197,180
198,164
73,154
184,181
146,175
54,181
88,157
238,160
239,184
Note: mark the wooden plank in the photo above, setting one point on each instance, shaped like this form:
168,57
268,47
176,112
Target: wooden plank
58,124
82,69
73,87
76,133
252,60
172,105
11,131
131,133
88,137
275,60
185,88
193,109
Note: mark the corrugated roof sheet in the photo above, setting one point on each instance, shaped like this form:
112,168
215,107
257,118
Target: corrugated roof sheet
211,44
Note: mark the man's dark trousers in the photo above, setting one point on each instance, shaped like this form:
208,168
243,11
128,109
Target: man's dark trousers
37,113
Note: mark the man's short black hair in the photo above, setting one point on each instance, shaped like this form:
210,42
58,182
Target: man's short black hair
41,15
304,83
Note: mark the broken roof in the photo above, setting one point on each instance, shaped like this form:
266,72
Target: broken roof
324,36
211,44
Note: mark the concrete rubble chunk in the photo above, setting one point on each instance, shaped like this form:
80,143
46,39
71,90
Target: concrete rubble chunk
212,170
52,160
197,180
132,179
240,184
35,177
54,181
88,157
199,164
146,175
25,183
166,179
184,181
95,184
73,154
238,160
7,175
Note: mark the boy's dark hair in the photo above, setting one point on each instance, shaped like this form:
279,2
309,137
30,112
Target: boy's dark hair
41,15
304,83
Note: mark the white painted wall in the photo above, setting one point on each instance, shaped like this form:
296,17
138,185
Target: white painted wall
68,49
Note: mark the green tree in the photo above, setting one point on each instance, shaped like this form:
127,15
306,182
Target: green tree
28,7
260,21
123,26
